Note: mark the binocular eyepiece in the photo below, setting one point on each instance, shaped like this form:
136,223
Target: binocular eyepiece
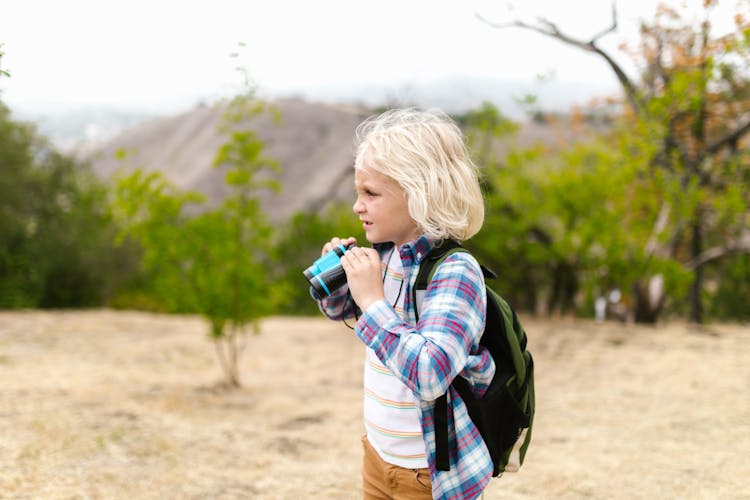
326,274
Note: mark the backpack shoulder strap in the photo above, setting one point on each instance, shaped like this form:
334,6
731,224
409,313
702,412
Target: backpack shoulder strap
429,265
427,269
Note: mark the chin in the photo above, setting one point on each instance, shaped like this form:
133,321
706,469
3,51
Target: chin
374,239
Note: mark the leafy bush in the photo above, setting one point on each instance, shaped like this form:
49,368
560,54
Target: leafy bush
56,233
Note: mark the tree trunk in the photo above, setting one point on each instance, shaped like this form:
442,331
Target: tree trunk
529,294
564,289
696,306
649,299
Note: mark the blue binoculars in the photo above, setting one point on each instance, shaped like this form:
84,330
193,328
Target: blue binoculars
326,274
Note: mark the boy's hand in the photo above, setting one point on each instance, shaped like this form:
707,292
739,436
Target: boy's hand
336,242
364,275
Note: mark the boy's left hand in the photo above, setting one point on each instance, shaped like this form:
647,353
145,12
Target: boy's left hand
364,275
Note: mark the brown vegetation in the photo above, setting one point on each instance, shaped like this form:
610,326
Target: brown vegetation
103,404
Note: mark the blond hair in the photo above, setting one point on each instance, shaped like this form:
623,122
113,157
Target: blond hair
425,153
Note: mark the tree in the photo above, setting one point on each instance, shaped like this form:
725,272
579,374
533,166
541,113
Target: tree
56,233
540,233
213,262
507,242
688,117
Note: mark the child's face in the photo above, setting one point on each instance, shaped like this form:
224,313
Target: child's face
381,206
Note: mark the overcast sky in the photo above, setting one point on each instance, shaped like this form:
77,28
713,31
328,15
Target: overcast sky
162,53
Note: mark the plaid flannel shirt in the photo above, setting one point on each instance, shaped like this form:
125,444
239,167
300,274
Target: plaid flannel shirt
444,344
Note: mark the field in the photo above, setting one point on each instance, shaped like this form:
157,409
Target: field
122,405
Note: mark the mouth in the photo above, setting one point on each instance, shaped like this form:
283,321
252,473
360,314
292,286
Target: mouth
366,224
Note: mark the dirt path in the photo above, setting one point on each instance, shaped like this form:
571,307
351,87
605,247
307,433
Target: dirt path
104,404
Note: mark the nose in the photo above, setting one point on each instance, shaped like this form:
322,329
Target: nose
358,206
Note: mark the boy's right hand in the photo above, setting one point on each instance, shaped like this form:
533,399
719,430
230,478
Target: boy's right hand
336,242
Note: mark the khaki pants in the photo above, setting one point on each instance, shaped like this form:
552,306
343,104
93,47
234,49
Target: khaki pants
384,481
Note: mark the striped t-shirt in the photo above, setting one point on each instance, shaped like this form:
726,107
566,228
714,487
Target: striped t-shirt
390,409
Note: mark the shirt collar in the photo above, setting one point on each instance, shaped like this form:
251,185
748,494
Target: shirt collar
414,251
411,253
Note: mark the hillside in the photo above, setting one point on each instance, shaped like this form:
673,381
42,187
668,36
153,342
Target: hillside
313,144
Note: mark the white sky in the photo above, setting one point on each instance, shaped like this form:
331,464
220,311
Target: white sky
158,53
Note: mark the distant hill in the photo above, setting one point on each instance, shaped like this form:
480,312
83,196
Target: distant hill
313,144
74,127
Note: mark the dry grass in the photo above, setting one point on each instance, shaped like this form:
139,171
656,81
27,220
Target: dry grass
104,404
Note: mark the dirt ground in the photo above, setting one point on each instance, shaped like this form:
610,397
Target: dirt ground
122,405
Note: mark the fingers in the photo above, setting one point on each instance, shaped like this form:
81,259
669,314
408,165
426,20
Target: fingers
359,255
364,253
364,275
361,261
336,242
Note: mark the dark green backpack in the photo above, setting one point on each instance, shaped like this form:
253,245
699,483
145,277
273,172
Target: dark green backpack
507,408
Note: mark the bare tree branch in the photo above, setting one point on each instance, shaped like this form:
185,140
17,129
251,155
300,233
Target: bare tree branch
549,29
661,223
741,245
611,29
726,140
